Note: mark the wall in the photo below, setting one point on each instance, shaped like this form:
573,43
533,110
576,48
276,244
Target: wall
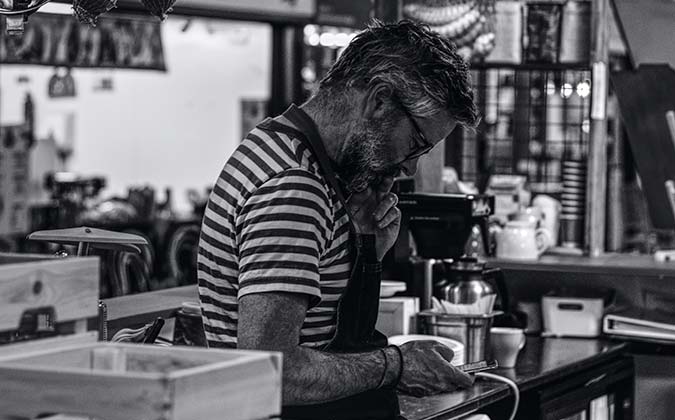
172,129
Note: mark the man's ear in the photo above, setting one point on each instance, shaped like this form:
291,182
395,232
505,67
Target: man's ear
377,101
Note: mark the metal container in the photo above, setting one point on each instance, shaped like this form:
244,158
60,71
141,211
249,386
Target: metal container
471,330
189,330
575,38
466,281
508,33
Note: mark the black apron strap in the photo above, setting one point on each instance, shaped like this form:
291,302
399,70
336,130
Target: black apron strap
308,134
357,309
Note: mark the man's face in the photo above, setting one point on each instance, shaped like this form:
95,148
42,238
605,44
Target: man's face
381,148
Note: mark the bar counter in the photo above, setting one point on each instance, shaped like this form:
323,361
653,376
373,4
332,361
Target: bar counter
542,361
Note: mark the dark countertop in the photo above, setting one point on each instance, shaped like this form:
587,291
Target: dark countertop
622,264
542,360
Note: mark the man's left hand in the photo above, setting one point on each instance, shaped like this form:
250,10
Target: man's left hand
374,211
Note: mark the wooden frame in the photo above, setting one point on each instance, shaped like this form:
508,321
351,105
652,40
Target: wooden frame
114,381
70,286
596,187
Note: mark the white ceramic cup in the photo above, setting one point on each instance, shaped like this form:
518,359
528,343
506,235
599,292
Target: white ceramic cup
522,240
506,343
551,220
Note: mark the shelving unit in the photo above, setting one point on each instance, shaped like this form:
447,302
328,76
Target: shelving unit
533,118
536,115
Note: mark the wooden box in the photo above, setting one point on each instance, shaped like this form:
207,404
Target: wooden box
69,286
113,381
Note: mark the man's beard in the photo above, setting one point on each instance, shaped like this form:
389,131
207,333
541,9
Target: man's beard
363,161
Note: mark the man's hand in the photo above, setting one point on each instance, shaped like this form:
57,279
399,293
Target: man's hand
427,369
374,211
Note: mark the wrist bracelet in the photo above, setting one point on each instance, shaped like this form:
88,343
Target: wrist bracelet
400,366
384,373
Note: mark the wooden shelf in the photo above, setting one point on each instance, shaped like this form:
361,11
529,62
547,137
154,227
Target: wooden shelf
530,66
619,264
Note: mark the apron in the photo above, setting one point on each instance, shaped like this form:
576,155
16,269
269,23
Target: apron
357,310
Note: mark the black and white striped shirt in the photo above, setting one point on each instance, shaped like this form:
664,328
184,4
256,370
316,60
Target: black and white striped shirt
272,224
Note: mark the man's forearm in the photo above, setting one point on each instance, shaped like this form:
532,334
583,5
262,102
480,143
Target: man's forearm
312,376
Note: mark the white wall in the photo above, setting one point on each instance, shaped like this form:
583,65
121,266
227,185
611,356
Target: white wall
171,129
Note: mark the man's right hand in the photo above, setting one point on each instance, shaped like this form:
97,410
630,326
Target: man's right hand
427,369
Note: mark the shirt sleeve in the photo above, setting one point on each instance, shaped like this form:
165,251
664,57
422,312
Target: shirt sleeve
282,231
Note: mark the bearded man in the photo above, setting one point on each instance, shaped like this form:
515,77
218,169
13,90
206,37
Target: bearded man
302,214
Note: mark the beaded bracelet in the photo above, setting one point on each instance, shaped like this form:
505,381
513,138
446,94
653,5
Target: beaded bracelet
400,366
384,373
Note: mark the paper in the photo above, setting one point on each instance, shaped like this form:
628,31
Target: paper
483,306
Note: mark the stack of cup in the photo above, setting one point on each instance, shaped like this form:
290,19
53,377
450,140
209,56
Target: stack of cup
573,203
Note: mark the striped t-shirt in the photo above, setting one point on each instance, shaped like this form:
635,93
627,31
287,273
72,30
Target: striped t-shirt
273,224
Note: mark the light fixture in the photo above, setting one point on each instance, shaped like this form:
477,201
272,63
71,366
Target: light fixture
566,90
586,126
584,89
308,30
327,39
342,39
313,39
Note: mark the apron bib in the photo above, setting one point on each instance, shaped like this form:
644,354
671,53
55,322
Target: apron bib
357,310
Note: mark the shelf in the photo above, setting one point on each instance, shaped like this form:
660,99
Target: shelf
530,66
607,264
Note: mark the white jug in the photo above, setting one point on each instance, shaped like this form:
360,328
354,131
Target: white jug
522,240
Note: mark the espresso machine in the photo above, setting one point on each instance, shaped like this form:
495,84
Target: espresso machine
441,229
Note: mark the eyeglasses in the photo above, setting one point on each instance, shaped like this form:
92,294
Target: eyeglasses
420,145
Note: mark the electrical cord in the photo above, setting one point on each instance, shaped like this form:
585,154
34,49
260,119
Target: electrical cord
510,384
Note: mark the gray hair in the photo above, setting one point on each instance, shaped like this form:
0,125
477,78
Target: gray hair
421,68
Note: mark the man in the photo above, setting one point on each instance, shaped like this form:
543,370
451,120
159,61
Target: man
307,191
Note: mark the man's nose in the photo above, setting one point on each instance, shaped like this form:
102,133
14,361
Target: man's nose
410,167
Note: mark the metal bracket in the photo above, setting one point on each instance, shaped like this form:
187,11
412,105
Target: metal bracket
16,19
15,25
34,323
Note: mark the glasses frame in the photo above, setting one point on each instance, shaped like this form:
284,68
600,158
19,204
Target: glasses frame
423,145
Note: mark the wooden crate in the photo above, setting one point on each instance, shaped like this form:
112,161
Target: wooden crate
68,285
113,381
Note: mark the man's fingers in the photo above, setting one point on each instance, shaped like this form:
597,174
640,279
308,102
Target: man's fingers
460,378
393,216
446,352
387,202
385,186
358,201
